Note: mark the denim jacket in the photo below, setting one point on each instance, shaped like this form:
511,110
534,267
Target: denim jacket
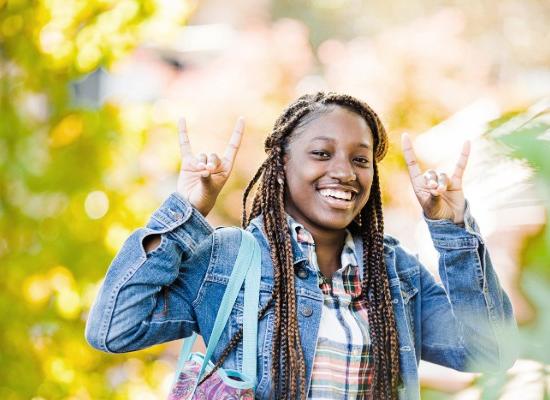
465,322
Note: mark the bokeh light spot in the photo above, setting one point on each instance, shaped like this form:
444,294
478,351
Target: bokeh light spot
88,57
68,303
60,278
96,204
36,289
67,130
60,371
51,39
12,25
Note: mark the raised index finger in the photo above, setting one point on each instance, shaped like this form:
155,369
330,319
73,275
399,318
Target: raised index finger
462,161
234,142
185,145
410,157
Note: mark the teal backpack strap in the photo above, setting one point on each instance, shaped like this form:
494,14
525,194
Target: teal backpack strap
250,317
249,256
185,352
242,263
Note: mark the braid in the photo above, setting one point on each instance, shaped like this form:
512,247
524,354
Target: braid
389,316
376,288
288,365
247,190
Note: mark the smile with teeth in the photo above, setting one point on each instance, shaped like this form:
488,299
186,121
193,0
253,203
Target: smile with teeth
337,194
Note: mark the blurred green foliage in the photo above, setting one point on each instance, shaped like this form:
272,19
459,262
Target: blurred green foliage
526,137
58,198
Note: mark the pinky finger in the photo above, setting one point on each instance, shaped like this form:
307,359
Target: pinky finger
185,146
462,162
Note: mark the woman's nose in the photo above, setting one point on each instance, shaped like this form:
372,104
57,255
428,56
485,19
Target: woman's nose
342,170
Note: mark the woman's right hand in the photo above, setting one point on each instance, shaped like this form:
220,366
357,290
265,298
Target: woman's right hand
201,178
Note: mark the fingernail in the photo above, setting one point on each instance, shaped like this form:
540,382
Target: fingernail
210,166
201,165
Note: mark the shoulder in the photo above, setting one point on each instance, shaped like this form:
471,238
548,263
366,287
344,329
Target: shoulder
227,233
231,235
226,243
226,239
221,251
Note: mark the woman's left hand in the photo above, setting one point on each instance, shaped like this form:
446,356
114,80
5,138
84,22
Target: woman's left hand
439,196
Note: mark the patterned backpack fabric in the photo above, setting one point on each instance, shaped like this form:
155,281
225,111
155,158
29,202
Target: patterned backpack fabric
225,384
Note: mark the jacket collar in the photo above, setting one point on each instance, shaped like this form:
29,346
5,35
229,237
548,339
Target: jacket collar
389,241
297,255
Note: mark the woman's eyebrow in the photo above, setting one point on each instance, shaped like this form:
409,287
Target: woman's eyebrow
332,140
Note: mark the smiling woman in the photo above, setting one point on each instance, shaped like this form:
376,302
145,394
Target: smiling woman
329,171
344,311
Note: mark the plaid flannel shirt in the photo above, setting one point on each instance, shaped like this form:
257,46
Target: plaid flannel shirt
342,367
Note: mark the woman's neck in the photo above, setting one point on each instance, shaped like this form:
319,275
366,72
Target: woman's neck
328,249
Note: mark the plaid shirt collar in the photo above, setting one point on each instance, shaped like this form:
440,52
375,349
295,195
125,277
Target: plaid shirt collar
346,280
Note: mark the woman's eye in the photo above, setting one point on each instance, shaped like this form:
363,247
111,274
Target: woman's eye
320,153
363,161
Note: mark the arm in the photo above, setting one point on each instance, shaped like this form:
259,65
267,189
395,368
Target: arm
146,298
149,289
467,322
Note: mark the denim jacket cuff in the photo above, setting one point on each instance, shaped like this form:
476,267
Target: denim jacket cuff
180,220
446,234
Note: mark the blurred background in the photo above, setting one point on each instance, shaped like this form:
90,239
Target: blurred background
91,91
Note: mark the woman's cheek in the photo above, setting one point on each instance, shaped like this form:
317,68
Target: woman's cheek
366,197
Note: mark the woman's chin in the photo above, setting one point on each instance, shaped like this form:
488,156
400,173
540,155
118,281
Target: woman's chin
335,222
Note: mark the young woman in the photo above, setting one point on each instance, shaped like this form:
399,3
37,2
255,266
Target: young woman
345,311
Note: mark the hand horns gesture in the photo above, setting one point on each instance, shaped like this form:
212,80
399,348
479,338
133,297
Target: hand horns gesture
201,178
439,196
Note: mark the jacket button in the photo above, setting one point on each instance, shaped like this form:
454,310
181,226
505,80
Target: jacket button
302,273
306,311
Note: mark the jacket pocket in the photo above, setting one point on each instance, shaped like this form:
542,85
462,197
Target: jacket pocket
408,289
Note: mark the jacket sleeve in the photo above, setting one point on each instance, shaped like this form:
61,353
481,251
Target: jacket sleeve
146,298
467,320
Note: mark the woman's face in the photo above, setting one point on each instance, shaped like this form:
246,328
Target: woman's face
329,170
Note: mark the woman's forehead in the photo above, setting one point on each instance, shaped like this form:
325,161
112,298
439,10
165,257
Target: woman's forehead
366,143
337,125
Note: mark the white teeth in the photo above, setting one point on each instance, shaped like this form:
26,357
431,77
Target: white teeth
339,194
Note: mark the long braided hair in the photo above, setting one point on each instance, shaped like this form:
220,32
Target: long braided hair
288,366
